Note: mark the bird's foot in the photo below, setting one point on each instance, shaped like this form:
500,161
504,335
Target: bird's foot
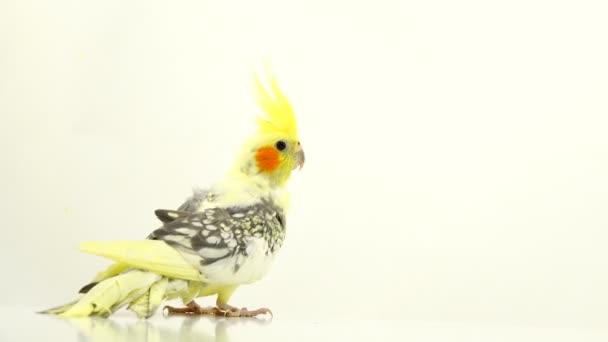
223,310
192,309
231,311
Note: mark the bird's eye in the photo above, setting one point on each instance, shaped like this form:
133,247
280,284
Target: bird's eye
280,145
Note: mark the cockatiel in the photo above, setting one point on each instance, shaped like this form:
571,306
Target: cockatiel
223,237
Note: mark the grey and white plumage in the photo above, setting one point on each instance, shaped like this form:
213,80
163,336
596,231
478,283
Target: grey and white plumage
227,236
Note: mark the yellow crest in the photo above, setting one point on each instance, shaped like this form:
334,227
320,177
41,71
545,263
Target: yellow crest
279,115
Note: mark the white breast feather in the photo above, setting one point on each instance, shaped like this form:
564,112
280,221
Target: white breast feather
253,267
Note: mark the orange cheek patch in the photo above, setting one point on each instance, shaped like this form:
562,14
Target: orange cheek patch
267,158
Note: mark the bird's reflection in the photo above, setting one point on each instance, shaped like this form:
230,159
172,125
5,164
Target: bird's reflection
199,329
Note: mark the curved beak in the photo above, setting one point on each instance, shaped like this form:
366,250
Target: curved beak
299,158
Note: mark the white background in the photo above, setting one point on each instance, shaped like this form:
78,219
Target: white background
457,155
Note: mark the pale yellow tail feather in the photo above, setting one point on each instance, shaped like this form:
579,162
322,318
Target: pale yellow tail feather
112,270
145,305
135,280
109,295
150,255
59,309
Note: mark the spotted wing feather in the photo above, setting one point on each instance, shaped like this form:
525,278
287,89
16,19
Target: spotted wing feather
165,215
218,233
191,205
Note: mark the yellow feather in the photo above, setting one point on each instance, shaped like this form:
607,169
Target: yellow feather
107,296
279,114
112,270
150,255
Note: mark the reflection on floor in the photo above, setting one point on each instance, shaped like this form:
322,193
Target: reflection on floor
199,329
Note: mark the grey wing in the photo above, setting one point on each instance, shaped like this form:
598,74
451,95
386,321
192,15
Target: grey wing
191,204
218,233
210,235
165,215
